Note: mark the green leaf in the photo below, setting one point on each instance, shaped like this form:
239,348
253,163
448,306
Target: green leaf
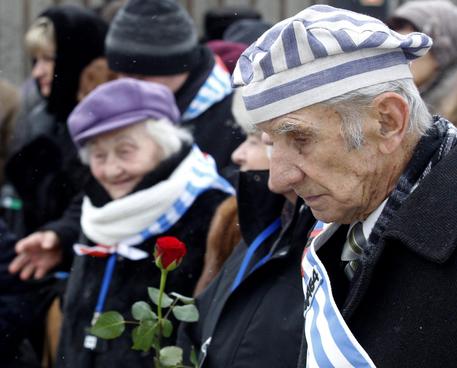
109,325
154,295
170,356
193,357
167,328
182,298
143,335
186,313
142,311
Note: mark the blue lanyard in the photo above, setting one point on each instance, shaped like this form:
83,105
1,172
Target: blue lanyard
108,275
252,248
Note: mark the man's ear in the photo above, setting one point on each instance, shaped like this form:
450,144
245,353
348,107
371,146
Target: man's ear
392,113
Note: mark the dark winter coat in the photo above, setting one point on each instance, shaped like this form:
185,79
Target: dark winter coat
130,282
22,308
215,130
260,323
44,169
402,307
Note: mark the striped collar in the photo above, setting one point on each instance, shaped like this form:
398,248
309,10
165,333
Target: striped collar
216,88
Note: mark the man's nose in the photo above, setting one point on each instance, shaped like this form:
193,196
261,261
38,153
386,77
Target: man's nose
283,173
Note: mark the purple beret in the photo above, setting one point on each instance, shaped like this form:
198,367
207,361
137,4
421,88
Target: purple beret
120,103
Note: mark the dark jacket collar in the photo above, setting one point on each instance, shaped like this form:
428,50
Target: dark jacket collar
426,223
257,206
197,77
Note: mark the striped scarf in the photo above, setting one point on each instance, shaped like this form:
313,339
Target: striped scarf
129,221
216,87
329,339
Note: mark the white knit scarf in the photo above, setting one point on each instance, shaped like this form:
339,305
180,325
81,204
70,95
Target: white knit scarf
130,220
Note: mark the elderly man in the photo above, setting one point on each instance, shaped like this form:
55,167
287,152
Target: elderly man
333,91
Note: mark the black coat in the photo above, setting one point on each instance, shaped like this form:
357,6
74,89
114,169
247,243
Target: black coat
22,310
129,285
260,323
402,308
44,169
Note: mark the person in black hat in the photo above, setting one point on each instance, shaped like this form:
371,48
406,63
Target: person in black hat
246,30
218,20
157,41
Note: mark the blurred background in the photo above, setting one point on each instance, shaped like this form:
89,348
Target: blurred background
211,17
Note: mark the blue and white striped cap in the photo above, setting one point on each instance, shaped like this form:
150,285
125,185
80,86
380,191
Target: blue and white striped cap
320,53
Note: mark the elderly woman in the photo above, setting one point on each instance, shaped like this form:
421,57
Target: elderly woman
148,180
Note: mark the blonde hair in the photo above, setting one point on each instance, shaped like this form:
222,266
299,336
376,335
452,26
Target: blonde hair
40,35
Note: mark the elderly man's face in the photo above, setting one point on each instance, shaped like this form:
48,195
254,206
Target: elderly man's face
310,155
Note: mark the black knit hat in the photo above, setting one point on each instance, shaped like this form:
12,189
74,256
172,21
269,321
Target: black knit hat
152,37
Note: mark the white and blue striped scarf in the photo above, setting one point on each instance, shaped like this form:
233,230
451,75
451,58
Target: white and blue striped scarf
128,221
329,339
216,87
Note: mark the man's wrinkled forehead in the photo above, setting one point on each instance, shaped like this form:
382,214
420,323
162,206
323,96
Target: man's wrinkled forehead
287,124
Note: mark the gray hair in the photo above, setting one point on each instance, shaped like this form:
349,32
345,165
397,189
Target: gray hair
353,106
240,113
167,135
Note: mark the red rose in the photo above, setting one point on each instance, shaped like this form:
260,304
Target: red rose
169,252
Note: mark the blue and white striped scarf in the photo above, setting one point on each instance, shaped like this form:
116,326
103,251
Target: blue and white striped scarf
128,221
329,339
216,87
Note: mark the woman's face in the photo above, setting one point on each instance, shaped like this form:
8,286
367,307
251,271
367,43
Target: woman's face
43,68
120,159
251,154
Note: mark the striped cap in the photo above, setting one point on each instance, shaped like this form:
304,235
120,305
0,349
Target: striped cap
320,53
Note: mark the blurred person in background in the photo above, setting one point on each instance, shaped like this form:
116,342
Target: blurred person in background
157,41
435,73
251,314
9,108
43,178
229,52
148,180
245,31
44,170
